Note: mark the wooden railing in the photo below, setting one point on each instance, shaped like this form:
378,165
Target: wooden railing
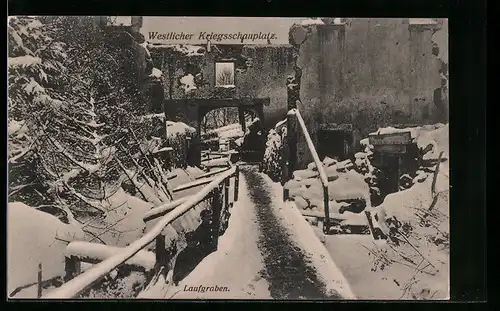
293,115
74,287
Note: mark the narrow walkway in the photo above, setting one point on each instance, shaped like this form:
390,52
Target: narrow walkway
268,252
287,270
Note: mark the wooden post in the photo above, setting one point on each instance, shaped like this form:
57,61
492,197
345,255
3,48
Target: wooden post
39,292
72,267
326,199
370,224
400,163
291,135
216,209
236,182
241,116
226,193
160,250
286,194
188,146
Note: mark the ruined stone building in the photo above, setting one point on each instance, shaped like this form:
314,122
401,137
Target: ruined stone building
346,76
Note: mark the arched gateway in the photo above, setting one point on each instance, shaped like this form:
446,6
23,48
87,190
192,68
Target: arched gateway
192,111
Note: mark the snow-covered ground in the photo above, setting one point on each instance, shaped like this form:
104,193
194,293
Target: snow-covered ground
35,237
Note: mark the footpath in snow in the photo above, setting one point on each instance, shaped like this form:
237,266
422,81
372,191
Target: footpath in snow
268,252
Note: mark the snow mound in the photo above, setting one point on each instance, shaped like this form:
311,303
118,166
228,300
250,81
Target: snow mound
178,128
35,237
228,131
349,186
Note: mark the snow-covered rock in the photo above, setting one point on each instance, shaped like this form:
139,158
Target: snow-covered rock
349,186
304,174
329,161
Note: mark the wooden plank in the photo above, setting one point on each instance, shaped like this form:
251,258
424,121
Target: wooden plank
392,149
213,173
94,274
402,138
333,216
216,163
333,127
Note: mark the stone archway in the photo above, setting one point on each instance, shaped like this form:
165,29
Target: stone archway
192,112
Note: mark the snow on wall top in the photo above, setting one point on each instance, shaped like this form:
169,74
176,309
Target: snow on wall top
312,21
186,49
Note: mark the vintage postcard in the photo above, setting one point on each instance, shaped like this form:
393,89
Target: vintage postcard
228,158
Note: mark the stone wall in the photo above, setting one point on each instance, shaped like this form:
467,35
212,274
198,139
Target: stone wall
372,73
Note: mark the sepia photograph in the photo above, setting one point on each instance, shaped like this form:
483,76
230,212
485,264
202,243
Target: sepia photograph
235,158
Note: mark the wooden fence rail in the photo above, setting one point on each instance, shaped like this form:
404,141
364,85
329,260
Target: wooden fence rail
323,177
84,281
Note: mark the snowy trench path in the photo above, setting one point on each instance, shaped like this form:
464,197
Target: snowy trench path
268,252
287,269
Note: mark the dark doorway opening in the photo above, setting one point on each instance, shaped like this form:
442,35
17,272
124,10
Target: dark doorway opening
390,171
335,141
254,143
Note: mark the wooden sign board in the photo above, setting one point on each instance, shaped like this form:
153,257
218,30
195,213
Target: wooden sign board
335,127
393,149
403,138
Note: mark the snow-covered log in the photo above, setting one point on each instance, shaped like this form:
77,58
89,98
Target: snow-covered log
90,252
161,210
216,162
212,173
193,184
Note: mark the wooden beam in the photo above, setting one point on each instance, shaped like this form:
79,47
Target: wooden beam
213,173
401,138
193,184
90,252
163,209
334,216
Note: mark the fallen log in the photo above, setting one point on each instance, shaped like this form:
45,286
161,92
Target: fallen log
95,252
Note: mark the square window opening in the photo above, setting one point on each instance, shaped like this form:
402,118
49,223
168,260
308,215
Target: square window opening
224,74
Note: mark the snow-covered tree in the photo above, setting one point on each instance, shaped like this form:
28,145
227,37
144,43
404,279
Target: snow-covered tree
74,102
